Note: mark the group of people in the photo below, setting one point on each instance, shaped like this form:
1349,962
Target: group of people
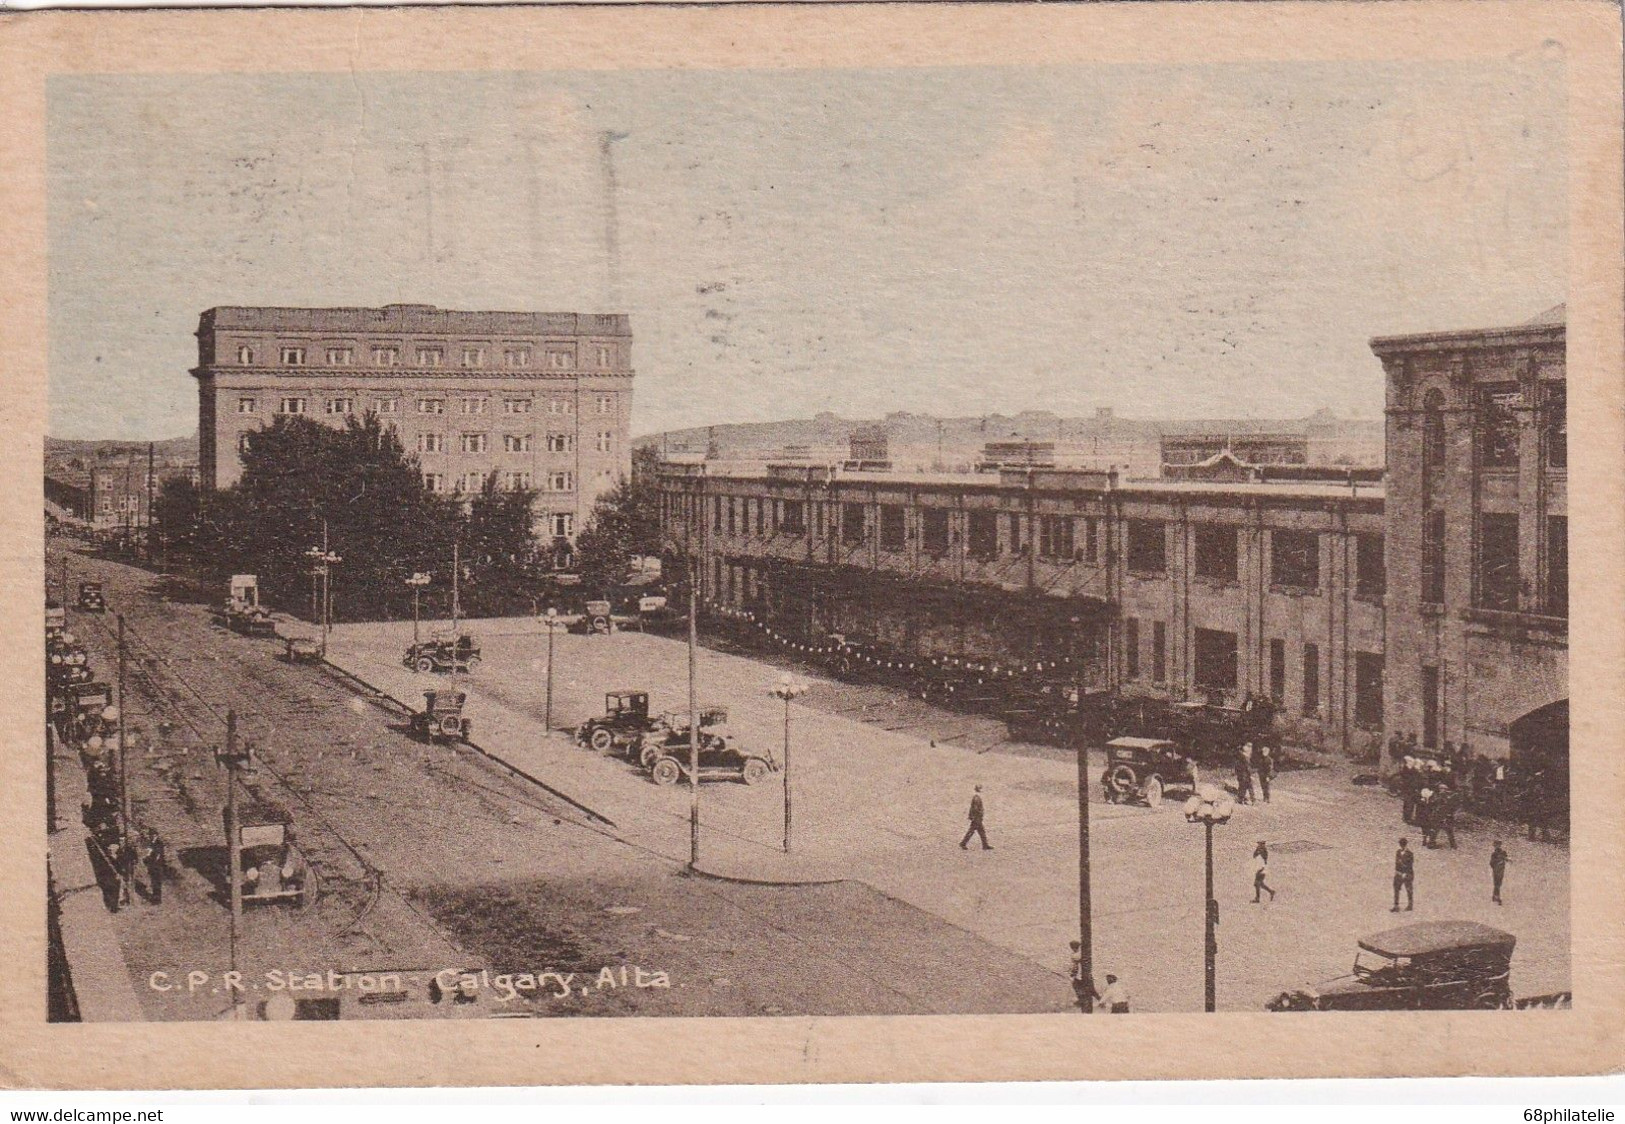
1405,873
118,856
1254,765
1487,786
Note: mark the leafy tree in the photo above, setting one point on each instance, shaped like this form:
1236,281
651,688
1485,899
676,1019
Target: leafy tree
624,524
175,515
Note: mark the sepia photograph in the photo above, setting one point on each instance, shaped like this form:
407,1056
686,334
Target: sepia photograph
625,542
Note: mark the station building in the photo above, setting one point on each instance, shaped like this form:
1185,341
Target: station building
541,399
1307,591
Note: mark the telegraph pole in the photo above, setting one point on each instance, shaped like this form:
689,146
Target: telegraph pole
1086,965
693,719
233,759
123,770
150,465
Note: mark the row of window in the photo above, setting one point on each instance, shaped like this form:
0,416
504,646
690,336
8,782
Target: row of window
1215,667
1499,581
514,481
386,355
603,442
602,404
1495,428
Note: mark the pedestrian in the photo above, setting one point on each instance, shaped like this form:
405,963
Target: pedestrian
1404,875
1261,872
1266,772
977,827
1498,870
1114,1000
1082,988
1409,784
1425,816
155,860
1244,774
1444,814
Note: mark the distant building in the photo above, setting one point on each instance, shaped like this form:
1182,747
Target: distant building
869,450
543,400
1248,448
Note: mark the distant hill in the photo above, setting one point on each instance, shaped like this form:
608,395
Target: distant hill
79,455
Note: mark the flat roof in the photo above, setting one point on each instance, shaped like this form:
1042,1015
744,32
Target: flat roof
408,318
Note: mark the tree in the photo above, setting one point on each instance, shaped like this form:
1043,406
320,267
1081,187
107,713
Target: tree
499,550
175,515
624,524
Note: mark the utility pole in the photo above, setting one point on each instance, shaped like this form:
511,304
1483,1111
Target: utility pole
552,623
456,579
693,719
1086,965
123,769
233,759
150,465
327,590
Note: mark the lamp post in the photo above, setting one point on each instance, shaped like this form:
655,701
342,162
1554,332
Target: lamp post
552,621
787,688
417,581
323,560
1210,806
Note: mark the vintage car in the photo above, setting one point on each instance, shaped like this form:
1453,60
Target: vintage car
249,619
596,620
56,619
270,863
1145,769
87,712
443,653
669,734
1429,966
91,598
622,725
720,759
441,718
303,649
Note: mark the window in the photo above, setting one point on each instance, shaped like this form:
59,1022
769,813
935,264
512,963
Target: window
606,441
386,356
1498,561
1159,652
716,514
516,442
1433,430
434,481
516,405
474,442
562,524
560,442
244,442
606,403
1091,540
431,405
431,357
474,357
1131,648
1215,653
1430,707
1370,568
1554,419
473,405
516,357
516,481
339,406
293,357
1498,427
1557,566
294,406
387,405
733,516
1295,559
560,359
982,535
893,527
1368,690
560,406
340,356
1147,546
761,509
561,481
603,356
248,405
1311,680
1215,552
431,442
793,517
934,530
472,482
245,356
1055,537
1277,671
1433,558
852,523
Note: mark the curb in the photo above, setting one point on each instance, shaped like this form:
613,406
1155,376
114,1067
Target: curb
747,880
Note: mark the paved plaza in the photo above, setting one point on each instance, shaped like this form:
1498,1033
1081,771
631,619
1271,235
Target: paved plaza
881,784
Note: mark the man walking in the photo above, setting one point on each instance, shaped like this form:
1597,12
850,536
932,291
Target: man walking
1261,872
1266,772
156,859
1244,774
1498,870
976,825
1404,875
1114,1000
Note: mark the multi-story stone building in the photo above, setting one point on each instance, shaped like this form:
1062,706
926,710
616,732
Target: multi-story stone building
541,399
1477,534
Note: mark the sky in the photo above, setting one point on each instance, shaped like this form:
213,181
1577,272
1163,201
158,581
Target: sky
1166,241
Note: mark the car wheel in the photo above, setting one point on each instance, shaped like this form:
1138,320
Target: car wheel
1153,792
471,663
666,771
648,755
1491,1001
601,740
755,769
600,624
425,664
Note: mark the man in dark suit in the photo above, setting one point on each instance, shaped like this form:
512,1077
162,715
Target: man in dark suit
976,825
1404,875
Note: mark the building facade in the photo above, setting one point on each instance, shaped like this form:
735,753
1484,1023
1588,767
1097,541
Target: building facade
1477,517
542,400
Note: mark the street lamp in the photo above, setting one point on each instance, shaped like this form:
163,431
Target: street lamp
1209,806
417,581
323,560
552,621
787,688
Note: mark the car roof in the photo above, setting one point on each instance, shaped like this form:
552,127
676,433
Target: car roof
261,813
1426,937
1141,743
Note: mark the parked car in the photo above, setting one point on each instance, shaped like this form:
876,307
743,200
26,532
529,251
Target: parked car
720,758
596,620
623,724
303,649
444,654
441,718
669,735
251,620
269,861
56,619
91,598
1144,770
1429,966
